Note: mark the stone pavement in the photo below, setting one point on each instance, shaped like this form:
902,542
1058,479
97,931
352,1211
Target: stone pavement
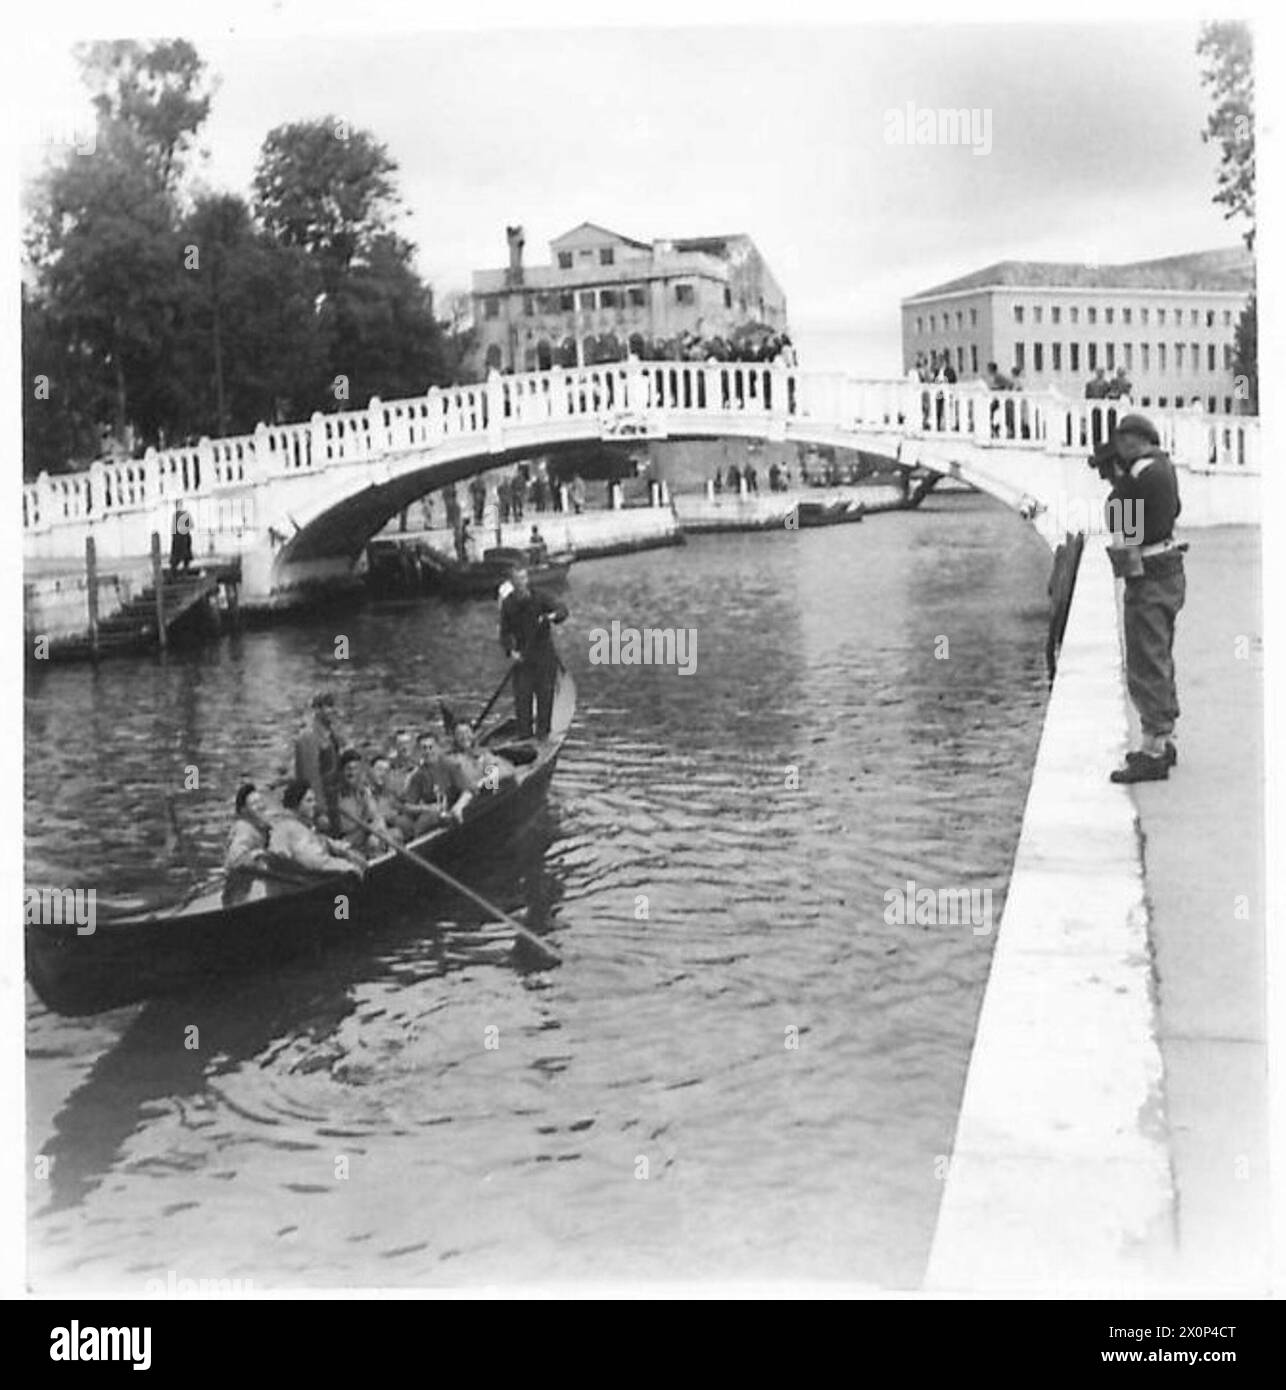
1203,851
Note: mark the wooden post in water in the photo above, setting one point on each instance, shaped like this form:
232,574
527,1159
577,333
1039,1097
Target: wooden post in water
158,582
91,593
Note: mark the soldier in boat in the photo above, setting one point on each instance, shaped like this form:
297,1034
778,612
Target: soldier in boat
471,772
294,836
317,753
357,808
425,797
248,841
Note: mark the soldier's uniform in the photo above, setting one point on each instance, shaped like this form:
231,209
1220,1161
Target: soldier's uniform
1146,495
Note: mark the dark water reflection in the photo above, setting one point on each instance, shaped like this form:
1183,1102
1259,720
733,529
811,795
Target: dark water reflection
712,864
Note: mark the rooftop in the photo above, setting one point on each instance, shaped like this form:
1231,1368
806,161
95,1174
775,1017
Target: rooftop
1230,269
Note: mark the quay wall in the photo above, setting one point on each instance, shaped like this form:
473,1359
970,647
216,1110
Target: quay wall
1060,1179
57,605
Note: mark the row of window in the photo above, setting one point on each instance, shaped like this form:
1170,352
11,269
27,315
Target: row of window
1186,357
1195,317
568,301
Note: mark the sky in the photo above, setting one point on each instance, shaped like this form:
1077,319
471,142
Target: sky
1094,135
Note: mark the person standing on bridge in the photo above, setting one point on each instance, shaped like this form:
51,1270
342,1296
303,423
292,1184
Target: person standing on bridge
525,620
1147,493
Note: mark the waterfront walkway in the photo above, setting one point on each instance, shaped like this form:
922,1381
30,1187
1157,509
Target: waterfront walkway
1113,1131
1204,860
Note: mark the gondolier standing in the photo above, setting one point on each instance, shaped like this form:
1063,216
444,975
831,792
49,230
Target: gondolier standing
525,620
1146,492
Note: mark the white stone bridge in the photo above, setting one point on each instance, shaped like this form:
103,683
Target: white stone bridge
298,503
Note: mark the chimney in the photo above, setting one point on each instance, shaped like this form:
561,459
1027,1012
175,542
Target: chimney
516,243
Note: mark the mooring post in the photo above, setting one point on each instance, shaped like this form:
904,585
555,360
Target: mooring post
158,583
91,593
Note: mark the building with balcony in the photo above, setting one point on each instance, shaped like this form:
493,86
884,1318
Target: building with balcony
604,296
1169,323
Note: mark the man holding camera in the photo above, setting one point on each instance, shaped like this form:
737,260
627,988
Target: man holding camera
1143,506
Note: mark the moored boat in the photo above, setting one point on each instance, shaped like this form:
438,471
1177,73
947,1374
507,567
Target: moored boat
247,925
393,569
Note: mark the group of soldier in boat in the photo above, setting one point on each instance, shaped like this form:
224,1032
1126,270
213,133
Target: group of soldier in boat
343,806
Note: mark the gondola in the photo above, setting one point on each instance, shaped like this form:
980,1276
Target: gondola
238,925
829,513
482,578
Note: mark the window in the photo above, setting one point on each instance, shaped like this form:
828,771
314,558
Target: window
1055,314
1227,321
1020,356
933,323
727,304
1144,354
1212,404
1162,401
1056,355
727,297
491,307
1160,318
1178,357
609,299
1143,316
973,356
973,318
606,255
1039,314
529,305
1227,357
959,320
1091,315
1195,359
1128,349
586,299
1038,355
960,361
1108,315
1146,401
684,294
1111,357
637,296
1227,405
547,303
1127,315
1091,356
1194,318
566,301
1210,318
1018,313
1076,314
1075,351
1160,356
564,260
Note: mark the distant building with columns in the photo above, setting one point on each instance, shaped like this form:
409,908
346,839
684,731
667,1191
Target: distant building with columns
1169,323
604,295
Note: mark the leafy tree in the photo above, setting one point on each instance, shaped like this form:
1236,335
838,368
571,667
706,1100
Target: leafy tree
1228,50
1229,74
326,189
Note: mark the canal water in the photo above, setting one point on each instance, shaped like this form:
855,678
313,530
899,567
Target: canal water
741,1070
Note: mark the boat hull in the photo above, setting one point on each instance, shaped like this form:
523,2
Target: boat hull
253,929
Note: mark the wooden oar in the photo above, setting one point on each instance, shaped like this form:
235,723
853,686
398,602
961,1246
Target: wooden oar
529,937
504,681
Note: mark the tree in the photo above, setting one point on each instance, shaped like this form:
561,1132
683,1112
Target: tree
1229,74
326,189
1228,50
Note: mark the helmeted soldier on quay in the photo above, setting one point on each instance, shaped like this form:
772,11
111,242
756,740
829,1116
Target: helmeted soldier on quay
1142,509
